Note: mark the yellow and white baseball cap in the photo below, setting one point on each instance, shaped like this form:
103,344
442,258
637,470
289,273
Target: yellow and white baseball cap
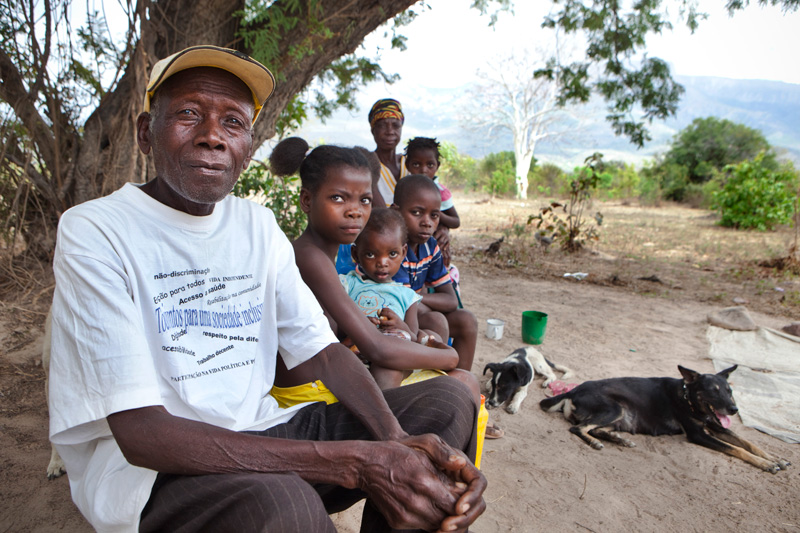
255,75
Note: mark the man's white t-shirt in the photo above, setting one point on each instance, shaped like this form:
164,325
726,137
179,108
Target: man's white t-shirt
157,307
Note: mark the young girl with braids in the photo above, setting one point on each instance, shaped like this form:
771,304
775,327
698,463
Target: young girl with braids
336,195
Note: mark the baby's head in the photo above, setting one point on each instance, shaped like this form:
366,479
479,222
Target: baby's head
419,201
380,248
422,156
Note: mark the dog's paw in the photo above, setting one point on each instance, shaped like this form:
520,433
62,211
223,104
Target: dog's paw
547,382
512,409
56,466
772,467
597,445
55,470
774,464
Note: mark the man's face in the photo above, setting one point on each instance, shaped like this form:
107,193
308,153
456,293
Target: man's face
421,214
387,132
201,137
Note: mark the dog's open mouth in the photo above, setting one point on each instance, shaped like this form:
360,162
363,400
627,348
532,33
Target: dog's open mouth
724,420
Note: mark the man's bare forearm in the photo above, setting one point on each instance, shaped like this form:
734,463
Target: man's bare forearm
152,438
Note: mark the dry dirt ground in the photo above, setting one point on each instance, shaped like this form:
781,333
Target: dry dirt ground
541,478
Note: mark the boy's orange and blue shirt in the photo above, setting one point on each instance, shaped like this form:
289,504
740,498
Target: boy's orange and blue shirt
424,268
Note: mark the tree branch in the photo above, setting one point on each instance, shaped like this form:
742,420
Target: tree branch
13,92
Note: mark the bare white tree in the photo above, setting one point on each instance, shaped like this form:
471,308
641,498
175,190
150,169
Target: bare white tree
509,98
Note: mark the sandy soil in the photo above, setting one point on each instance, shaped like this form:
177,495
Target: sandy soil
540,476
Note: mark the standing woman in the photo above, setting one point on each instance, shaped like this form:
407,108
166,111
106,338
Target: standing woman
386,123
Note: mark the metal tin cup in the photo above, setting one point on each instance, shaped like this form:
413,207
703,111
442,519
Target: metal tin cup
494,328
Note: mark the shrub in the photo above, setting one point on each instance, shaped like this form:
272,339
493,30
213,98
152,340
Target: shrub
755,197
545,179
502,180
458,171
650,185
566,221
281,195
620,181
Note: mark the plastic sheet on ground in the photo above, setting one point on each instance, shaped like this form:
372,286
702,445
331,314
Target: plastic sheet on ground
766,385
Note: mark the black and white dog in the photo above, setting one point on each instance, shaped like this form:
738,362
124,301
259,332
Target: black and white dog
511,377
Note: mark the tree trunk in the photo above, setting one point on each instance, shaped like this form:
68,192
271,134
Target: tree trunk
523,164
108,156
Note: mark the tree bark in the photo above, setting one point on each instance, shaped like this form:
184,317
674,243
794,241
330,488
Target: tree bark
105,156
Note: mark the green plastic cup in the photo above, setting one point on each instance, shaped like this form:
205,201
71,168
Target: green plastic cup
534,324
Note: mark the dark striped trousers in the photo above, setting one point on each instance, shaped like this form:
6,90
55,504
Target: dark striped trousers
284,502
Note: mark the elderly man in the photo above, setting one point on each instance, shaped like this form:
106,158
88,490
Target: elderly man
173,301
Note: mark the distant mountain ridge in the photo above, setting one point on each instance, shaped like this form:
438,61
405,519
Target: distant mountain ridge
769,106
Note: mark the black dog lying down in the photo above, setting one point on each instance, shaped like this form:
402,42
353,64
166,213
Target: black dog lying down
699,405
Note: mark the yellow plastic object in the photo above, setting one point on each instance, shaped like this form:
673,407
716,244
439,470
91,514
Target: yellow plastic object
307,392
483,419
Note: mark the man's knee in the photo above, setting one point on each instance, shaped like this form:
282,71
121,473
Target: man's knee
444,406
237,502
294,504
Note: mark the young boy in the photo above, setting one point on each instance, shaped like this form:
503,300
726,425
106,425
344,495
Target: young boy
418,200
422,157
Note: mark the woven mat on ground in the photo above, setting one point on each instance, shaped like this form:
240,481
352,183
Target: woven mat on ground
766,385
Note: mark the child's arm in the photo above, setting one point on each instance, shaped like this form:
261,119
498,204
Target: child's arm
319,274
443,300
390,320
412,319
449,218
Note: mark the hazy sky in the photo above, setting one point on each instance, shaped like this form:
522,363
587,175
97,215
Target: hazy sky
448,42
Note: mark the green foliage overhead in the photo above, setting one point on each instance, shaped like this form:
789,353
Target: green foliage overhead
710,144
638,89
755,196
337,84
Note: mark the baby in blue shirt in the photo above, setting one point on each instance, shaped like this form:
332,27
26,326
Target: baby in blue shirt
378,252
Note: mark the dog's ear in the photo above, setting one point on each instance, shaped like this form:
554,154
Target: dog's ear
688,375
490,366
727,372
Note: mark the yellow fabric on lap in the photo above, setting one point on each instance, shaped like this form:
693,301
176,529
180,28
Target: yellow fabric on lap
318,392
307,392
422,375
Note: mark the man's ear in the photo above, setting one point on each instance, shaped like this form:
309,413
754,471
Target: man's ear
405,250
305,200
246,162
143,135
